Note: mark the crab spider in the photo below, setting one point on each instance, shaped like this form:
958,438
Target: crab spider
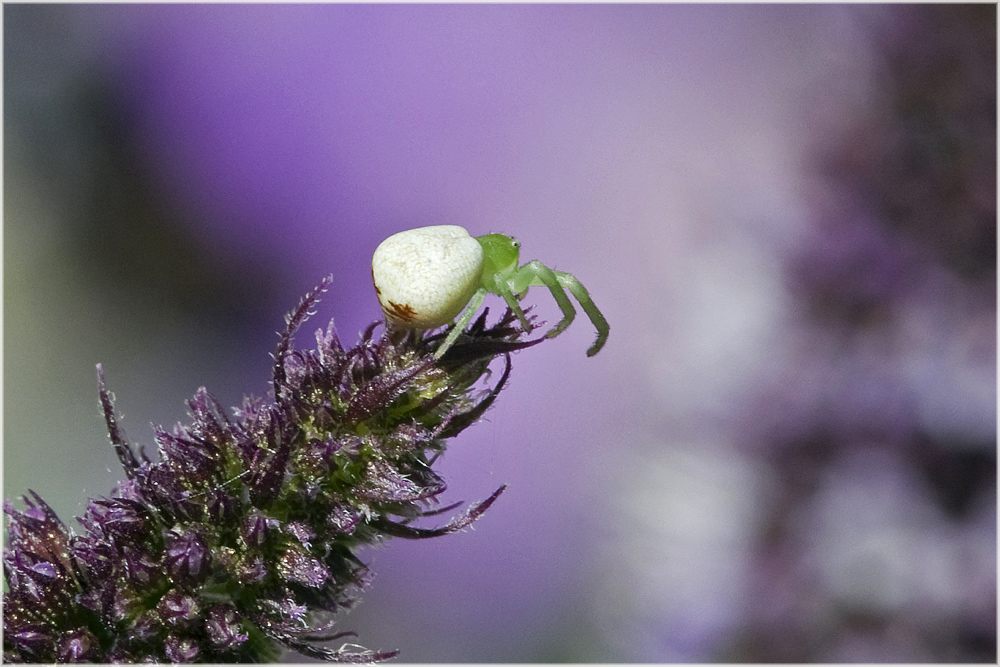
425,277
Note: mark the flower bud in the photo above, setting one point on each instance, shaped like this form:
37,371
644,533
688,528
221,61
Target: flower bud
181,649
177,610
223,627
78,645
187,558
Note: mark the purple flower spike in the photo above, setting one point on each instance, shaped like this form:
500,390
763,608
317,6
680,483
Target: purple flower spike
244,530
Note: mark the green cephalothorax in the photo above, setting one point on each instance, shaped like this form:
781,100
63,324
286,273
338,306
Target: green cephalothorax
425,277
501,254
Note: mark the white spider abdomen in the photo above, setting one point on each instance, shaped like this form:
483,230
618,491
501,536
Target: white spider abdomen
424,277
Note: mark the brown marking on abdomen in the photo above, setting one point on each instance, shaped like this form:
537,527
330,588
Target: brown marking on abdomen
403,312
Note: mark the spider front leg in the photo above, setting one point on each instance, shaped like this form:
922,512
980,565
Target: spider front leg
535,273
577,289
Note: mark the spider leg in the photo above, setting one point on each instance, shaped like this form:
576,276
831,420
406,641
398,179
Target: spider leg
462,322
504,290
536,273
577,289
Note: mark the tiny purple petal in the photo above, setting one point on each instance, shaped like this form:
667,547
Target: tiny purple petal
46,570
343,519
176,609
181,649
78,645
302,569
300,532
223,628
254,529
222,507
141,569
187,558
252,571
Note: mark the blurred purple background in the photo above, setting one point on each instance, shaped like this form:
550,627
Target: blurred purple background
787,450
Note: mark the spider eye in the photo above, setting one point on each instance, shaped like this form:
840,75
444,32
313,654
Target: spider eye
515,243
